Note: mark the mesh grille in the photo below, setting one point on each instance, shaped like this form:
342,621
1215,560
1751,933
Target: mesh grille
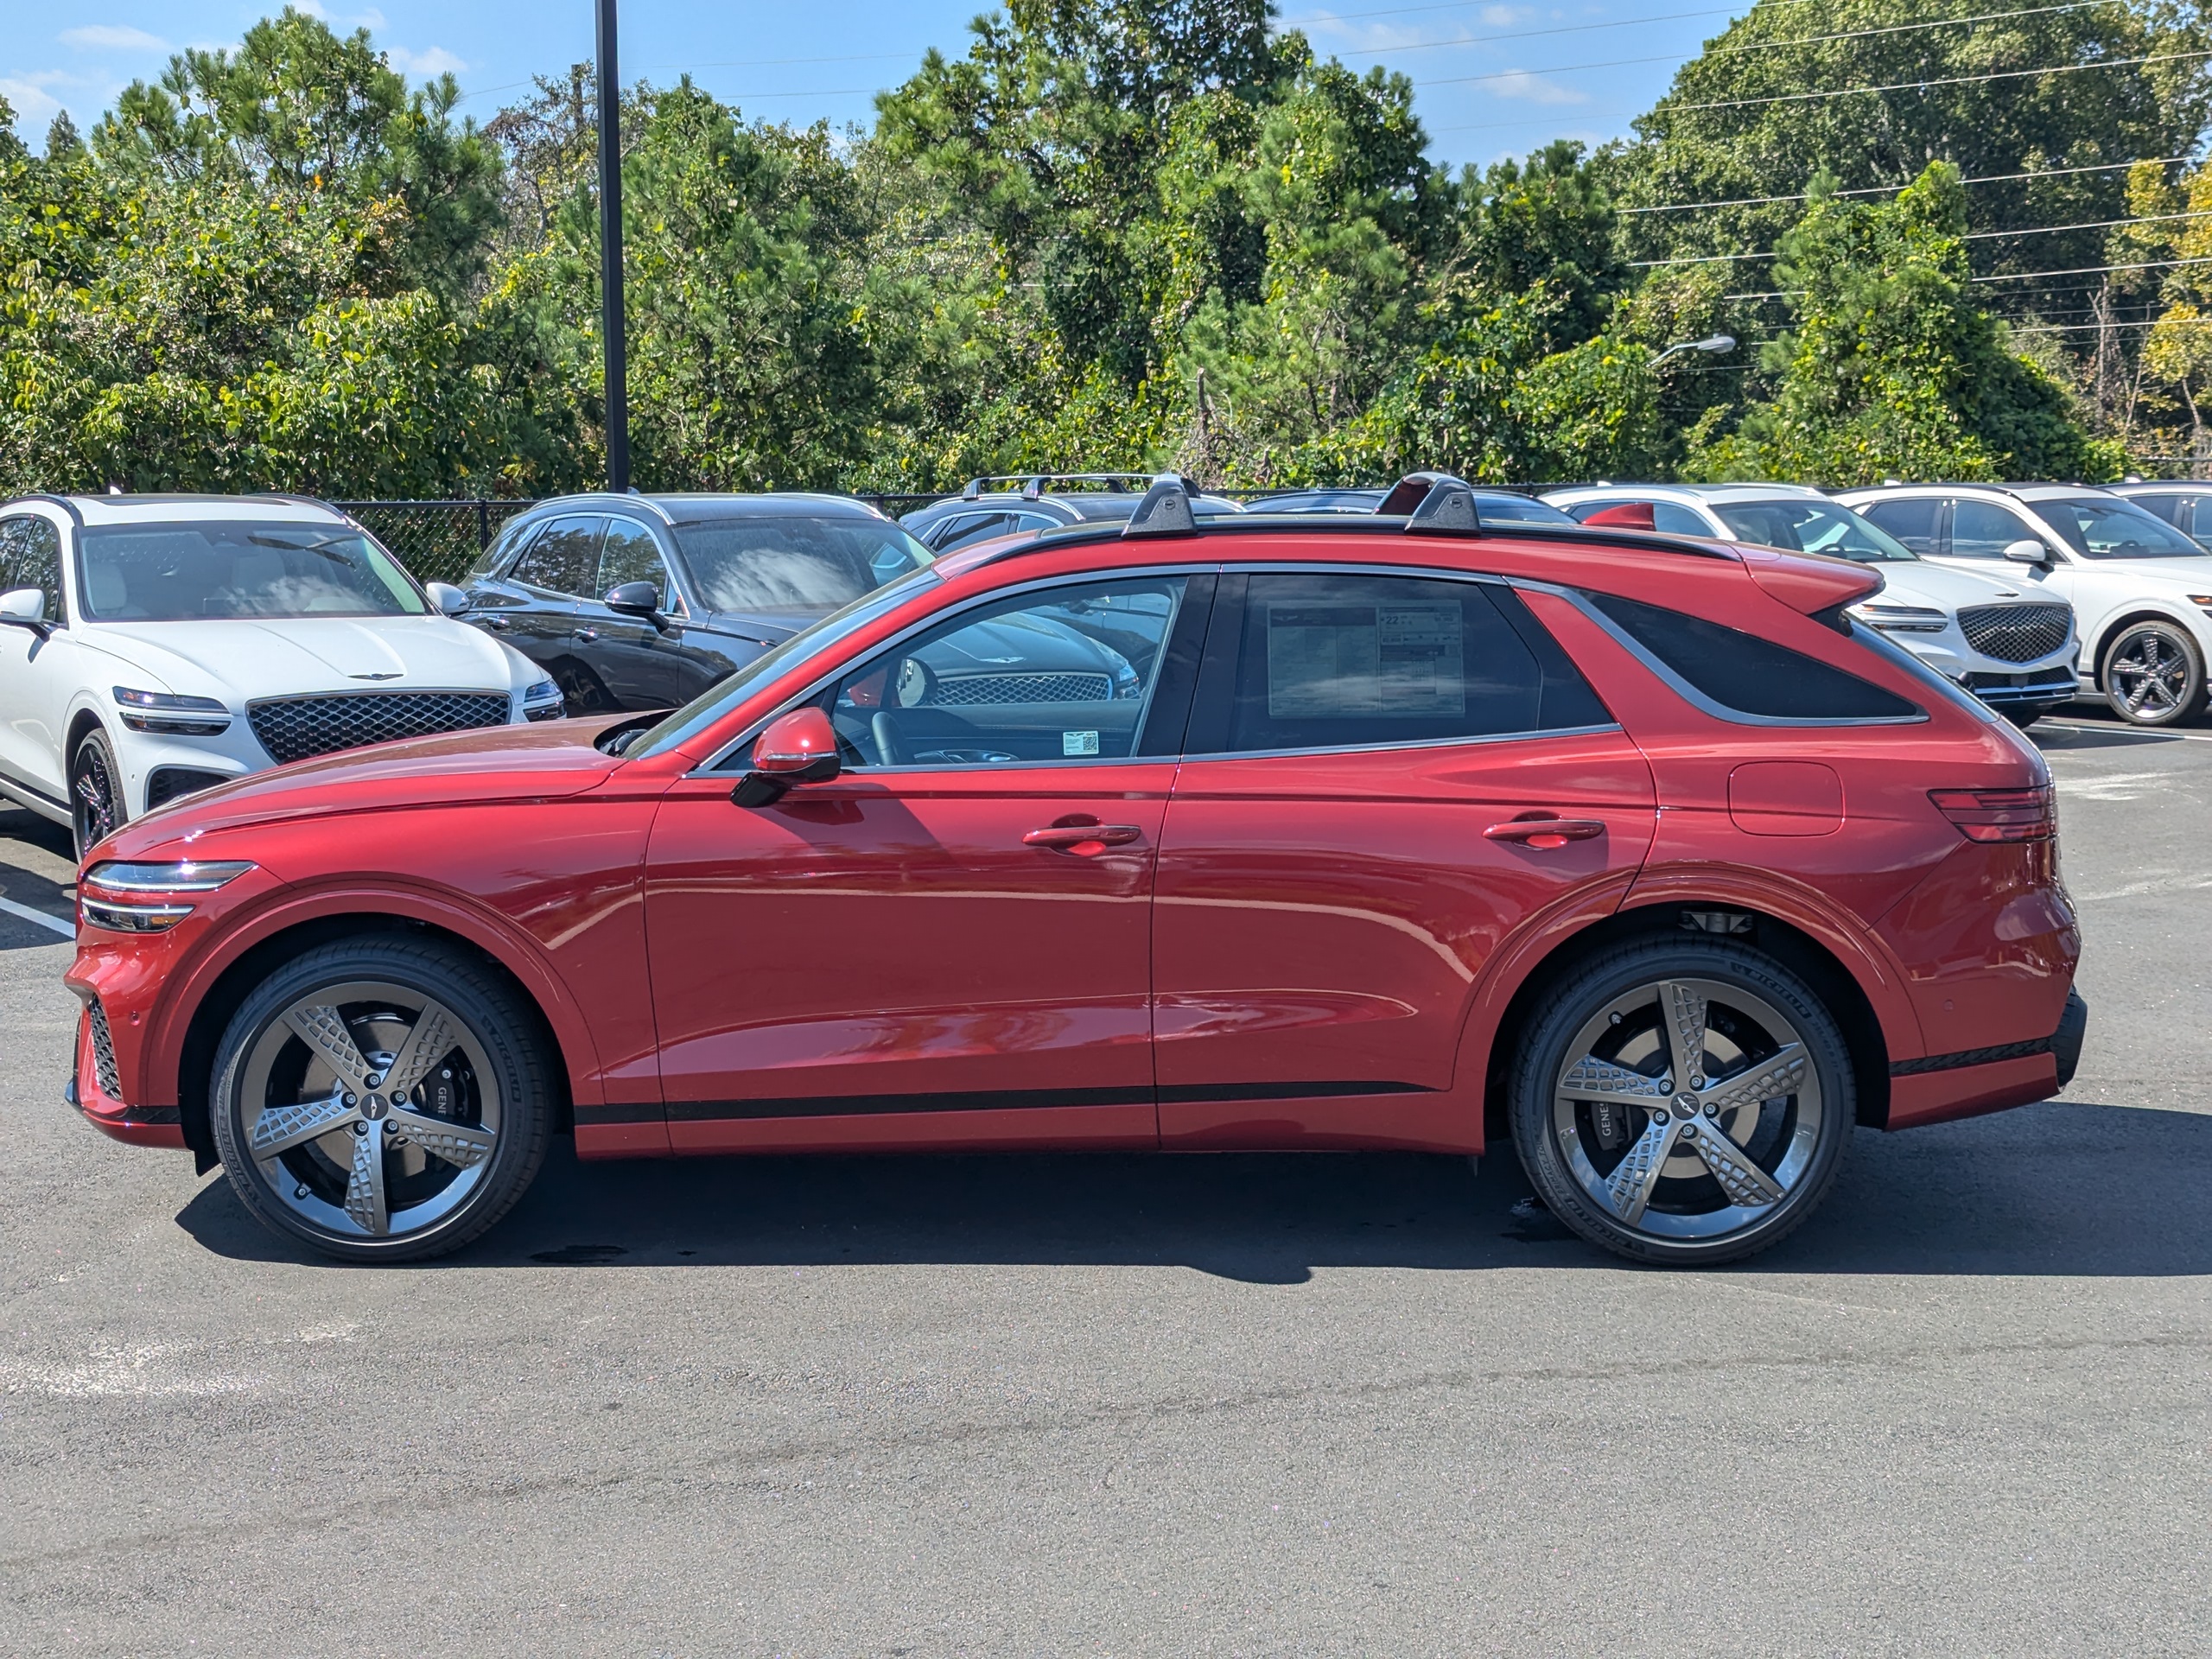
292,729
2016,634
111,1080
1024,687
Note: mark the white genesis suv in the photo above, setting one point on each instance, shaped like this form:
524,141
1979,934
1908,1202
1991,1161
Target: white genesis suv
2141,589
151,646
2011,643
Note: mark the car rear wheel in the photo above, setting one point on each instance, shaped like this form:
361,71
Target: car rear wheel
381,1099
1682,1104
2154,675
96,808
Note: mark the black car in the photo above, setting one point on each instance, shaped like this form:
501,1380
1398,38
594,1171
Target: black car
1039,501
643,601
1500,506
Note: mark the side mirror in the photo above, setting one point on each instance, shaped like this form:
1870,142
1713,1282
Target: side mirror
25,608
636,599
449,600
800,748
2027,551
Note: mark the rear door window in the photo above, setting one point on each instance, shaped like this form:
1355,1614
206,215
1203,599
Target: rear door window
1734,673
1330,660
564,558
1912,521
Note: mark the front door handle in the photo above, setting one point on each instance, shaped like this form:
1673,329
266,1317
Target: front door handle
1084,840
497,623
1543,833
585,636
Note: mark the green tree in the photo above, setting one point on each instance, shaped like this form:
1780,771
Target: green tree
1892,368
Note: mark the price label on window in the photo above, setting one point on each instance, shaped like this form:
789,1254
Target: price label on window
1078,743
1325,661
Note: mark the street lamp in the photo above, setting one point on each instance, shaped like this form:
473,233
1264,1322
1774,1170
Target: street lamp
1710,343
610,254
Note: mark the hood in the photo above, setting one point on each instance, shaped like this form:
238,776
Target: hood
1949,587
241,659
767,627
548,761
2180,575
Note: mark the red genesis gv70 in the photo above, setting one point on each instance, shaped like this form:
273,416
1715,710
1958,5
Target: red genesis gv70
1254,832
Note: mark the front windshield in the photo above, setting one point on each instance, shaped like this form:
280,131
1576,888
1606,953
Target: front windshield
683,724
2101,528
783,563
1812,527
207,569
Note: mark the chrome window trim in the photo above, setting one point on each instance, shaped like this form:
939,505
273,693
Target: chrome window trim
1697,699
713,766
1416,743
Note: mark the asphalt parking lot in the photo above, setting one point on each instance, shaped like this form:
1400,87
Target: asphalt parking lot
1220,1405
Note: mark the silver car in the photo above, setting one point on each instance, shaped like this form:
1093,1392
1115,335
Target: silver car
2011,643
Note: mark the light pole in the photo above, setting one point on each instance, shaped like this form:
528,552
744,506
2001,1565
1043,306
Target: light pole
610,254
1710,343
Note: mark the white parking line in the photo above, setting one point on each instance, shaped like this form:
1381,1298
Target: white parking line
2123,731
66,930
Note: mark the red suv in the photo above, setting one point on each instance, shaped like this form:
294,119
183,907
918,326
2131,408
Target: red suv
1252,832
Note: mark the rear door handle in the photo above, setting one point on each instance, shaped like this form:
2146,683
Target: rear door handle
1544,834
1084,839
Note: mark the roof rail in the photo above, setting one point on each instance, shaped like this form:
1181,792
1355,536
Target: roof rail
1033,485
1432,501
1165,511
60,501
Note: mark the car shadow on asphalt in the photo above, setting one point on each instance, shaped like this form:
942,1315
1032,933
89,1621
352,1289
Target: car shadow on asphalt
2057,1189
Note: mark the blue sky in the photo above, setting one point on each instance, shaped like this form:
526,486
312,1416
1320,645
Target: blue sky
1493,79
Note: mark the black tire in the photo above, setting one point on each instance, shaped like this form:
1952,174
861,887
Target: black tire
1796,1139
495,1042
97,806
2154,675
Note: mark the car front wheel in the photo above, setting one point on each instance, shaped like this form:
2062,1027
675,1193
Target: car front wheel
96,808
1682,1104
2155,675
381,1099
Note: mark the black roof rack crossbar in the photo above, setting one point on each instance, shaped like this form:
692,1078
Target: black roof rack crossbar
1033,485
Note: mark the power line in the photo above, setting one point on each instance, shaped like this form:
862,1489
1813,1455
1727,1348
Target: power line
2090,270
1970,236
1891,189
1515,35
1923,85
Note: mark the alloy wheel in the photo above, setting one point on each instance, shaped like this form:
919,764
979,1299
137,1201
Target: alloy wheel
1688,1110
93,796
370,1109
2152,677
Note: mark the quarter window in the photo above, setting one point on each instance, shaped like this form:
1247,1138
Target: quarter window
564,559
1341,661
1746,674
1063,674
31,557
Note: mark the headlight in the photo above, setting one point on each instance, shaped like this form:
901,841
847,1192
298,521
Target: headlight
140,887
1904,619
542,700
160,711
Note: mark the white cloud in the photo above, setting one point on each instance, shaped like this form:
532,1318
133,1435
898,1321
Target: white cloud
28,97
436,61
113,37
1532,89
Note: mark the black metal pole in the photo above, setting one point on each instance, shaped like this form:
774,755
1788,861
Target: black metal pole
610,253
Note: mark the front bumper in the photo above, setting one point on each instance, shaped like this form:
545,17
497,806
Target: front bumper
94,1090
2037,688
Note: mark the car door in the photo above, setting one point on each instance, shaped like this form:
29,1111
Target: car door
1917,521
951,942
1355,829
642,664
541,590
34,689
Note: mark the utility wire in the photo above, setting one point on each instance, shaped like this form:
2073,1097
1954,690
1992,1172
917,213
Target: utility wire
1970,236
1663,109
1891,189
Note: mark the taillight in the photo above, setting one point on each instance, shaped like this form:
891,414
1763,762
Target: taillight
1999,814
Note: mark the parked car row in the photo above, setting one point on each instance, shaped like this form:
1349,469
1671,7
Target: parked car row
1171,829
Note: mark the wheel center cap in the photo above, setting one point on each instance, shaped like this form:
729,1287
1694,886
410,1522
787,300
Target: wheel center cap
1685,1106
374,1108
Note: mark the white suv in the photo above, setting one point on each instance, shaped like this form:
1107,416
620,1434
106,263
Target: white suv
151,646
2141,589
2011,647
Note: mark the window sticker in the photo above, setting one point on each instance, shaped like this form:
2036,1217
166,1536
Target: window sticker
1335,660
1078,743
